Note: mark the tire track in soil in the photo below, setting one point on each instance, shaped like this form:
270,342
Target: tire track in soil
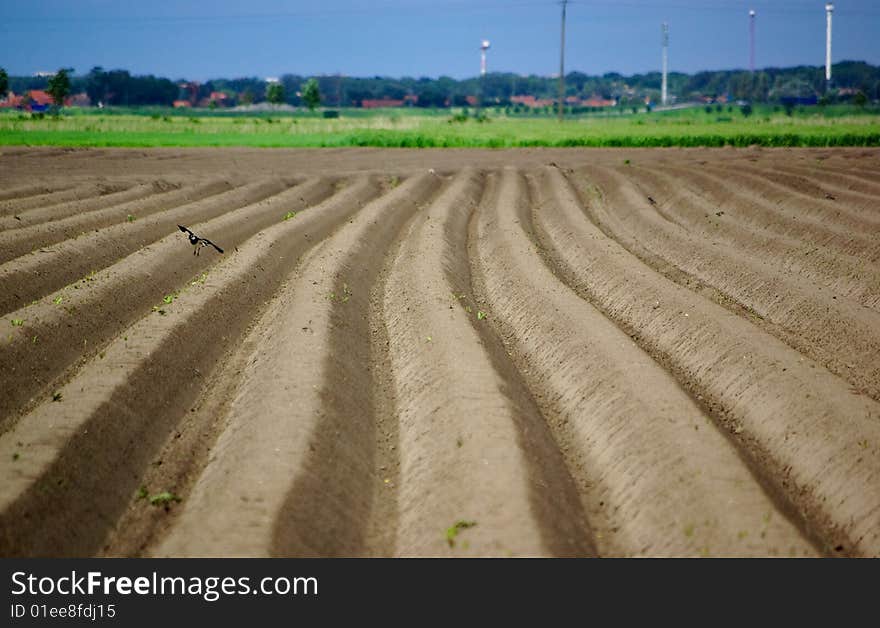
296,467
841,335
472,446
44,271
656,477
17,242
100,439
811,440
71,325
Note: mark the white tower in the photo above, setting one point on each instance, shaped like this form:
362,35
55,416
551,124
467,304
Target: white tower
829,9
752,40
663,84
483,48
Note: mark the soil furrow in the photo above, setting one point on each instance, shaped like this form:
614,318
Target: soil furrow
77,320
17,242
836,180
469,447
60,211
104,431
23,192
765,209
841,335
715,213
295,469
852,225
844,206
658,478
85,190
44,271
812,439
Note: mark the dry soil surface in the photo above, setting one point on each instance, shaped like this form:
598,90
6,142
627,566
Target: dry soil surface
440,353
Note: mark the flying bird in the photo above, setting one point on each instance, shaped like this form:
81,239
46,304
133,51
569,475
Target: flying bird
198,242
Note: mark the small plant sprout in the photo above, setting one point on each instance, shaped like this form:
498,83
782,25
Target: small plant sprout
130,218
163,499
58,300
168,299
453,531
57,396
290,215
142,493
481,315
17,322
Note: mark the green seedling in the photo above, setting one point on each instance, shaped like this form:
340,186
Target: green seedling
57,396
163,498
454,530
17,322
168,299
16,456
626,162
58,300
130,218
290,215
142,493
481,315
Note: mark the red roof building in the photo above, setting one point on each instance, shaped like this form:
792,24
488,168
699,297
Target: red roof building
377,103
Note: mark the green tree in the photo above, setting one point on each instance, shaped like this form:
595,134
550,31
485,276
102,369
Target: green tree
59,88
311,95
860,100
275,93
4,83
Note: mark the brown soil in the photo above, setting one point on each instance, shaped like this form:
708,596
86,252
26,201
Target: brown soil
440,353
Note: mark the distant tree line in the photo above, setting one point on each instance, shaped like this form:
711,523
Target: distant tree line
119,87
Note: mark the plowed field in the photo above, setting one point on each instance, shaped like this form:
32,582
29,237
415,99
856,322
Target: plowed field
440,353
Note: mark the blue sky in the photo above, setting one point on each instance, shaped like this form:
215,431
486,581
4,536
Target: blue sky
200,40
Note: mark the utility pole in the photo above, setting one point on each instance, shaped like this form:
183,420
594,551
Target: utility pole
562,65
829,9
663,84
752,41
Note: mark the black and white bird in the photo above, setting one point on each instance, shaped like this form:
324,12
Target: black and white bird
198,242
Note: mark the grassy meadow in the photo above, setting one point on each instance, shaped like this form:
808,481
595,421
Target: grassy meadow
697,126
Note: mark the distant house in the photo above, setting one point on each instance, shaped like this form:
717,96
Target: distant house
178,104
78,100
531,101
39,100
216,99
598,101
471,100
34,100
377,103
